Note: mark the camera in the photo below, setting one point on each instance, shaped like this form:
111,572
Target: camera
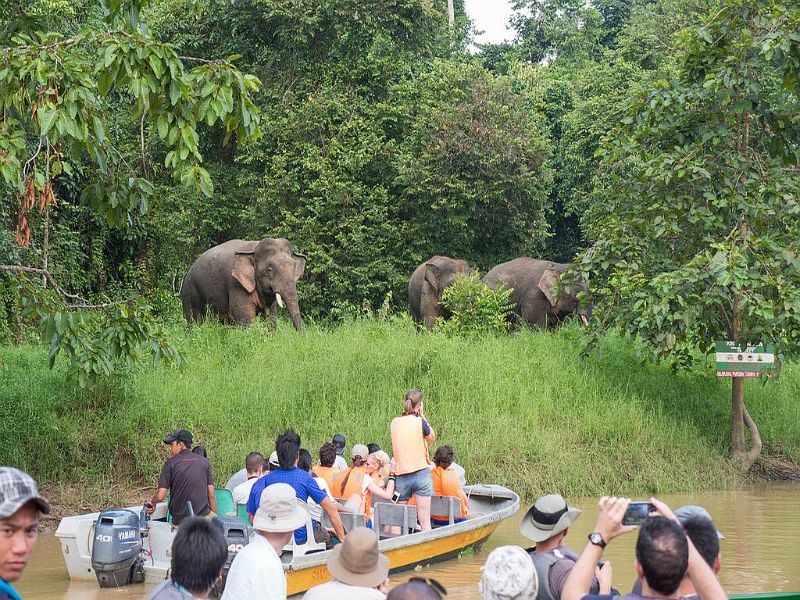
637,512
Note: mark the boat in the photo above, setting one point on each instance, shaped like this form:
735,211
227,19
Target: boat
488,506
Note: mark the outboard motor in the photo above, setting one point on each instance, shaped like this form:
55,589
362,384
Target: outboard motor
117,550
237,536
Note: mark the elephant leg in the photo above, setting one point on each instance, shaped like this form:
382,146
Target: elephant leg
241,308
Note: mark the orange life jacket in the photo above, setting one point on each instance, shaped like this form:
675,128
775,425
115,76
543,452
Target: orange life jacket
408,445
330,475
446,483
354,482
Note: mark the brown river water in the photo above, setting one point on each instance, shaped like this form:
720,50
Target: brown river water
760,552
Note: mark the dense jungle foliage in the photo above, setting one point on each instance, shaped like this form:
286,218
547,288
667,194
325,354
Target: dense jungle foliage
384,140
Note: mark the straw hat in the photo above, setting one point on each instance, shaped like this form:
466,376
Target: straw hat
509,573
356,561
278,510
549,516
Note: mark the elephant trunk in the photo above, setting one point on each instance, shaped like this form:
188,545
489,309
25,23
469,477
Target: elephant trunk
289,297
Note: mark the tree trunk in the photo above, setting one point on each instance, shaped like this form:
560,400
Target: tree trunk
739,414
451,15
737,417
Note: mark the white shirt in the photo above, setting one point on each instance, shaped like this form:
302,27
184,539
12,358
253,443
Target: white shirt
336,590
315,509
241,493
340,462
256,573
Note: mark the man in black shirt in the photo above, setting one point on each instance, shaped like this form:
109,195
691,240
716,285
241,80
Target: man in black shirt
188,477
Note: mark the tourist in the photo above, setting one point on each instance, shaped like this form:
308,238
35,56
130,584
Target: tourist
410,436
359,571
372,448
273,464
257,570
699,527
254,465
339,442
241,476
201,450
664,555
287,448
20,507
508,574
547,523
446,483
359,498
384,461
188,477
326,469
199,551
350,481
418,588
304,462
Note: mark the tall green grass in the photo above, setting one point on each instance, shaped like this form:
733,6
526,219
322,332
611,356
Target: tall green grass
524,410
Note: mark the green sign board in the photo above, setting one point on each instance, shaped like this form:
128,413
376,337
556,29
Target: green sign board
734,360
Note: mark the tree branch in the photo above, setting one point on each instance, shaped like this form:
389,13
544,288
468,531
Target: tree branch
84,304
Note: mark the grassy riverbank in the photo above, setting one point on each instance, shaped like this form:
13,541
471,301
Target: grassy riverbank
523,410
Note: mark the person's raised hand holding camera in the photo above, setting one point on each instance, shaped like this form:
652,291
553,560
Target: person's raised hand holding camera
609,525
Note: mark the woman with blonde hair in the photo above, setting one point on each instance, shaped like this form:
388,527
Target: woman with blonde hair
411,433
359,495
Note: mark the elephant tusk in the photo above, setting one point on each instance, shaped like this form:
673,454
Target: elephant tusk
585,320
280,300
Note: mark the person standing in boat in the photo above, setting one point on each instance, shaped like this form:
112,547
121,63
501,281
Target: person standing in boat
411,434
20,507
188,477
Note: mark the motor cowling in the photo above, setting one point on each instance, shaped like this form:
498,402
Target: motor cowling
237,536
117,548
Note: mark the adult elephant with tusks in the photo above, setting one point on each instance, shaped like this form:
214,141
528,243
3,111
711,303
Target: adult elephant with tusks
427,284
240,279
540,296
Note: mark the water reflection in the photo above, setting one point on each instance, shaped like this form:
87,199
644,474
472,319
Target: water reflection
761,526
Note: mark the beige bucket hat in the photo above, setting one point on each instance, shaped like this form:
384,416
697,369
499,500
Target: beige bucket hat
548,516
356,561
508,573
279,510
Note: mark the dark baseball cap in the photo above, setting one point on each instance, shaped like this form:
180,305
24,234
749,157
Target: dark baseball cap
179,435
17,488
339,441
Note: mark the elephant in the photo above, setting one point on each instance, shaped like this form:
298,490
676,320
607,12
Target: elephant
539,296
426,285
239,279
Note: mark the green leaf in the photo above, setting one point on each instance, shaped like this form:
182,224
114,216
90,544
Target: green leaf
47,116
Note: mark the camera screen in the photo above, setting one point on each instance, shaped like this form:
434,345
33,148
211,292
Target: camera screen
637,512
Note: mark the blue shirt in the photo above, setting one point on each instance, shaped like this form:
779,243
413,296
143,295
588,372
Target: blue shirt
7,592
304,487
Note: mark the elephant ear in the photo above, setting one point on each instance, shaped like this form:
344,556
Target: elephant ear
432,274
244,270
299,265
550,284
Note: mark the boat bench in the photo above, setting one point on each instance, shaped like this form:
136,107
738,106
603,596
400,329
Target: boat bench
446,507
349,520
387,514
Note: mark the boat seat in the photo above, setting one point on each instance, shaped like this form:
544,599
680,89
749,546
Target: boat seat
446,507
310,545
349,520
241,512
225,505
387,514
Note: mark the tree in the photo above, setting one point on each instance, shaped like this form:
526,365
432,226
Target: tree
696,224
59,98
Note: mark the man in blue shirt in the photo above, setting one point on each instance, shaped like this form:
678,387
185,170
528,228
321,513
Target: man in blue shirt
288,448
20,507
